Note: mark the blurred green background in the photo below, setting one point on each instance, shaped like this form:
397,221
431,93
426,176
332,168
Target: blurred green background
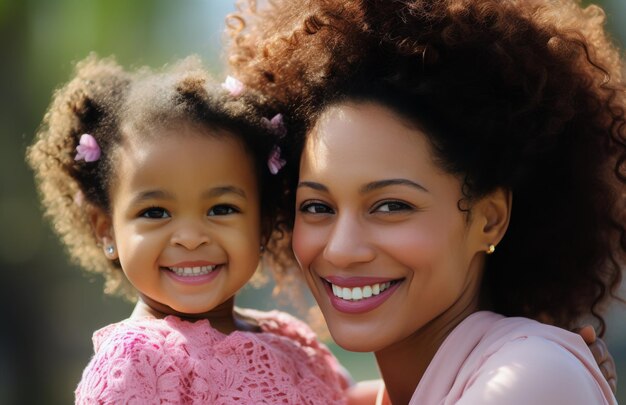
50,307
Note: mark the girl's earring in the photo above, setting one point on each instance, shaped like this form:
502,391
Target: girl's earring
491,249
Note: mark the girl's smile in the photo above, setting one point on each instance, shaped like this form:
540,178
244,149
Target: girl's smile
197,272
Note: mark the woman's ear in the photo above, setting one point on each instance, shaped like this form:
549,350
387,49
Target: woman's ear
102,226
492,214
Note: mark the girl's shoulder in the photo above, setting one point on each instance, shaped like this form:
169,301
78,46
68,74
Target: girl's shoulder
134,360
297,343
174,359
151,331
283,324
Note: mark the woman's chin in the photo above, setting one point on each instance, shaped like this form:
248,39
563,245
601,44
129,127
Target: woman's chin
355,339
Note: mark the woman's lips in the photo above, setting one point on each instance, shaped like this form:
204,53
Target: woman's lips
359,294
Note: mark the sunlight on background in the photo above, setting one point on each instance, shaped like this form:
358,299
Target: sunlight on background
51,307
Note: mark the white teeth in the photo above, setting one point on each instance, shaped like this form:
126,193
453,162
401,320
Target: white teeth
358,293
192,271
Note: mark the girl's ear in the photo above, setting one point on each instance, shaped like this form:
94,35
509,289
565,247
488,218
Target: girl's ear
102,226
492,214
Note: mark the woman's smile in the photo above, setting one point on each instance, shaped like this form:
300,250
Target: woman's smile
359,294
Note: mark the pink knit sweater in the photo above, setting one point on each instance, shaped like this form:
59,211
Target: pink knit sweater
171,361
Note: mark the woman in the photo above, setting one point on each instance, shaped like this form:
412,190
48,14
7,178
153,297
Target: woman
461,174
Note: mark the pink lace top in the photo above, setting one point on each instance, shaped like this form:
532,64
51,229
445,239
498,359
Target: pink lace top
171,361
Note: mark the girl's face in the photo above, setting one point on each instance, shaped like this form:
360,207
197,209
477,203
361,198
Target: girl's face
185,216
378,233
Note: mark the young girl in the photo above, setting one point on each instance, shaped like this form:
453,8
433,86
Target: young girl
163,179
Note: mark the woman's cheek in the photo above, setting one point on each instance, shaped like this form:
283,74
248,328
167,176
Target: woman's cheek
306,241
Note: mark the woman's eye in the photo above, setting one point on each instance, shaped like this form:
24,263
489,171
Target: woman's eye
155,213
392,206
316,208
222,210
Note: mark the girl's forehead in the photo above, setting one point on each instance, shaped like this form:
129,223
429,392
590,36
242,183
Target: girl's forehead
185,166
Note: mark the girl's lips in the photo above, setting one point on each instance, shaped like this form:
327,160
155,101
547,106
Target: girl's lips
192,263
189,275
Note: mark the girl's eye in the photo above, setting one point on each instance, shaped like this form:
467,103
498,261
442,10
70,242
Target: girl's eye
392,206
222,210
315,208
155,213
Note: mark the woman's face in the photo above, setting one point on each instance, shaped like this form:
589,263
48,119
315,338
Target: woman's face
378,233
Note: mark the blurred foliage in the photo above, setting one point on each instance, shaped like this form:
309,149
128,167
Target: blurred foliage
51,307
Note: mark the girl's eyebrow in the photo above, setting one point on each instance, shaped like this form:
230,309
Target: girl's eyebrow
221,190
211,193
152,195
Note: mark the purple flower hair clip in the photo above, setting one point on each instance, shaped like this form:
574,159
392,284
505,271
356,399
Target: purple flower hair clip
87,149
233,86
275,162
276,125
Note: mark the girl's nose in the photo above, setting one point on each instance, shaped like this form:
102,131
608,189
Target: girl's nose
348,243
190,235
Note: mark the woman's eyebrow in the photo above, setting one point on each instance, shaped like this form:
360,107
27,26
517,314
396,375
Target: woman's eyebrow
313,185
375,185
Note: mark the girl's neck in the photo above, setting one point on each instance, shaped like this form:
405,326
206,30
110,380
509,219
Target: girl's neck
225,318
403,364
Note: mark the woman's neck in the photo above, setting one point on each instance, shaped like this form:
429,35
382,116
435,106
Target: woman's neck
403,364
224,317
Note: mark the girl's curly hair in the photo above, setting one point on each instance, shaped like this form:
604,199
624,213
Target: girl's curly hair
112,104
525,95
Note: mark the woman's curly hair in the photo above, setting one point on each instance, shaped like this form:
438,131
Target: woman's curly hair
525,95
112,105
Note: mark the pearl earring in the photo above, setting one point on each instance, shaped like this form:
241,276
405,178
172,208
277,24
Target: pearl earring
491,249
109,250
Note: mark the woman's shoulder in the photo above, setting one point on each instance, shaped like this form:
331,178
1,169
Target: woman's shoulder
519,360
533,369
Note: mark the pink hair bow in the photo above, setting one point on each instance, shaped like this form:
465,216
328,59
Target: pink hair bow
276,125
275,163
233,86
87,149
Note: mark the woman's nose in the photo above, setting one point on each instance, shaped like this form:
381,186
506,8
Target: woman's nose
348,243
190,235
